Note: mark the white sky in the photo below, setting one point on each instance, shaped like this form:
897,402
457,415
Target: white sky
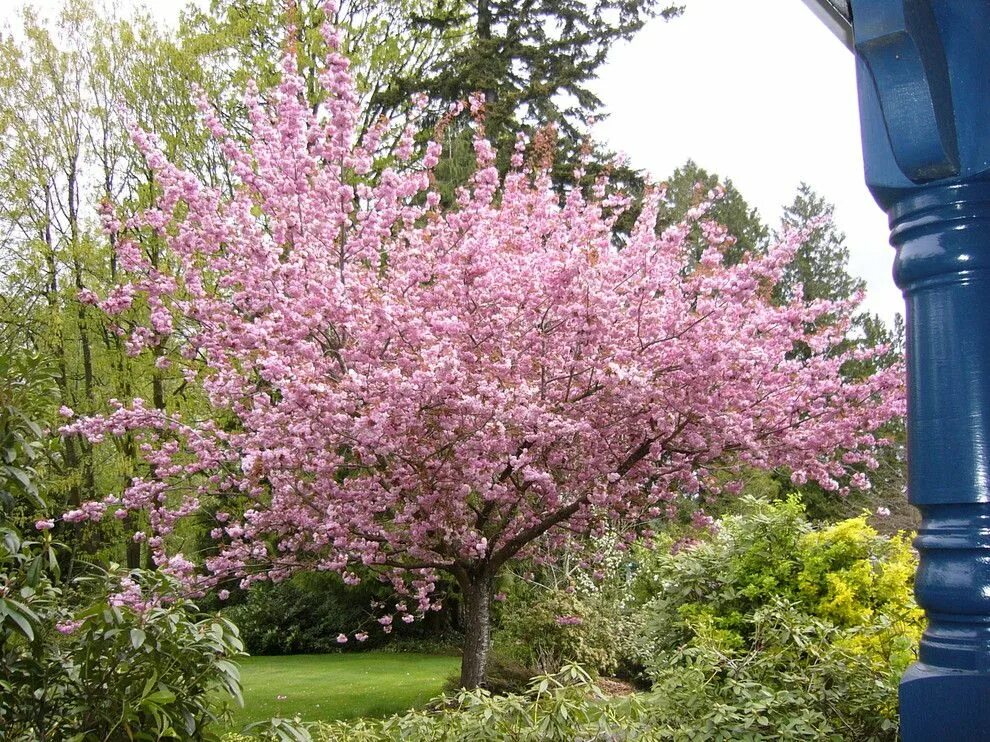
759,92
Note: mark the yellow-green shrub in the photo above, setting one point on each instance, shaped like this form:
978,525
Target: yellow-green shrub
771,606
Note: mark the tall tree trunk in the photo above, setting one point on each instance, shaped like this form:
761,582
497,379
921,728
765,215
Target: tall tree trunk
484,24
477,589
57,347
72,187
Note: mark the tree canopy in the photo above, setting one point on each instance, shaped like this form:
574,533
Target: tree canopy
415,388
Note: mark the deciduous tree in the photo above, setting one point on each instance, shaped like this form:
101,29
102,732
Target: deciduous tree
418,389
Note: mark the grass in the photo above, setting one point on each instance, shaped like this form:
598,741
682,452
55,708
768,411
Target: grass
324,687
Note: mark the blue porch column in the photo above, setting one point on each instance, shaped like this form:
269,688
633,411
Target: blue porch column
923,70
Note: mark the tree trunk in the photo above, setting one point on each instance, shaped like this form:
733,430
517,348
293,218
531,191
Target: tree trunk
477,590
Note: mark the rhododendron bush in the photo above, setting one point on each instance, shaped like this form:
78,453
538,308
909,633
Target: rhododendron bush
419,388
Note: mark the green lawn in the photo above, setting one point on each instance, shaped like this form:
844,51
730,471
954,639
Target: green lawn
322,687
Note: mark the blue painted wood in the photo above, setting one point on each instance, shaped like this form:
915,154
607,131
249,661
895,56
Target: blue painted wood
923,69
902,48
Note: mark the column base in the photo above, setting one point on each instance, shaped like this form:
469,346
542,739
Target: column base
939,704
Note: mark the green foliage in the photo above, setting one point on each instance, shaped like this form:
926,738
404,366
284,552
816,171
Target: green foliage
156,673
690,185
26,388
30,597
820,269
793,680
805,630
64,150
821,264
33,679
387,43
533,60
304,615
568,609
274,730
119,673
109,672
562,707
546,629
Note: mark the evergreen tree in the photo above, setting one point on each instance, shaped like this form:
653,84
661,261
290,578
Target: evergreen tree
689,186
820,268
821,265
533,60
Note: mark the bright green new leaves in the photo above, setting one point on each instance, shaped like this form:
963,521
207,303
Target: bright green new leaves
774,627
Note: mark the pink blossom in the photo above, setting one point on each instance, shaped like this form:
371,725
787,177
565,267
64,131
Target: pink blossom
68,627
860,481
44,524
85,296
341,638
508,378
74,516
131,596
700,520
684,544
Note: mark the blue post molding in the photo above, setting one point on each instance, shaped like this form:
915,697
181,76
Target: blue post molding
923,68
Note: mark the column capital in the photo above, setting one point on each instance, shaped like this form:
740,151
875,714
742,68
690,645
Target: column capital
924,93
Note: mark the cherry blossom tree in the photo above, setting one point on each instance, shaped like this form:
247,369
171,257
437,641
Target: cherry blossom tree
421,390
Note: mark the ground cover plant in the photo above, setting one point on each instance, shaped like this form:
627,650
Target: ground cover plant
408,387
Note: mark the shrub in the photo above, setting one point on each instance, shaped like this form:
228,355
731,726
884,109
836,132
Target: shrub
794,680
26,388
562,707
774,627
113,671
153,670
546,629
305,613
33,679
570,611
121,669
